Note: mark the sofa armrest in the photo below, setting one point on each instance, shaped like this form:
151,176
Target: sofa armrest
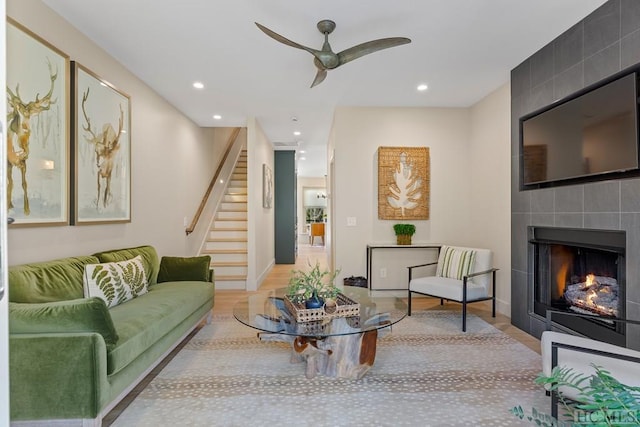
180,269
57,375
79,315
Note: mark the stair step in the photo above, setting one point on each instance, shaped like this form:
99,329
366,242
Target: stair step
229,229
230,264
227,239
231,216
226,245
232,278
236,209
233,207
224,251
221,234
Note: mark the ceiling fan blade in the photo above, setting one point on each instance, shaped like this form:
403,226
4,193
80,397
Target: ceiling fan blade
363,49
285,40
320,76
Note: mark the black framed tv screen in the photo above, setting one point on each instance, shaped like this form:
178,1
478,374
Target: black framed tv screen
591,136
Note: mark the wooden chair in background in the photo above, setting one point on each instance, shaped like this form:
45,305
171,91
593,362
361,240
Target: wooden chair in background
317,230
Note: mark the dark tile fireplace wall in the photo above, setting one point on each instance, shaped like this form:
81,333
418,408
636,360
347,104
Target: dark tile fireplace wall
605,42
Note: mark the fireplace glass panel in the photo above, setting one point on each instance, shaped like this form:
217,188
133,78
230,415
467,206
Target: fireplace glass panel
579,279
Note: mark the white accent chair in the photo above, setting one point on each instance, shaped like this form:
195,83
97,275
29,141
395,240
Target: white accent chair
580,353
479,284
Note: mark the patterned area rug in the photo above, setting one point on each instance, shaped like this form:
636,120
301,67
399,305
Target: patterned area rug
427,373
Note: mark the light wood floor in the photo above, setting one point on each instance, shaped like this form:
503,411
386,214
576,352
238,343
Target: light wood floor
279,277
309,255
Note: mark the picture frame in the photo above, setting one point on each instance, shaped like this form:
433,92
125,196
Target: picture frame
267,187
403,183
37,134
101,150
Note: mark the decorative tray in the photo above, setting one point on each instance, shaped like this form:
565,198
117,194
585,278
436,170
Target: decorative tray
345,307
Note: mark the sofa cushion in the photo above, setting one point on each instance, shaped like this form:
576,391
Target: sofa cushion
455,263
148,254
49,281
176,269
447,288
80,315
142,321
116,282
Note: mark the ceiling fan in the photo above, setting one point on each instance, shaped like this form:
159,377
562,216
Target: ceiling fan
325,59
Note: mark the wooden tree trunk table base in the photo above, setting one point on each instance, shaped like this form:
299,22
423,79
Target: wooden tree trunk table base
340,356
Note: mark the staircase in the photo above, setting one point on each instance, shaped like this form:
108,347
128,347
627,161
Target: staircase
227,239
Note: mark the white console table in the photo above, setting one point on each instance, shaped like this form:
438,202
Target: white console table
409,258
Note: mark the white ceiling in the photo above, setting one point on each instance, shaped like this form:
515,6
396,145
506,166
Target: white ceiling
463,49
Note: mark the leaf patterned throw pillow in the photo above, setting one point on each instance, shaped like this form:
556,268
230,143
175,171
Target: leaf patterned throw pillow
115,282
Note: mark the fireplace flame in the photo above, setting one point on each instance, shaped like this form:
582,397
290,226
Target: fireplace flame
591,280
561,277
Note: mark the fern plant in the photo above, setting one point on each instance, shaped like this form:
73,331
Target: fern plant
302,284
603,401
134,275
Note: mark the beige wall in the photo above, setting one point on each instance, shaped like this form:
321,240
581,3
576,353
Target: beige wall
261,220
171,159
490,167
470,179
358,132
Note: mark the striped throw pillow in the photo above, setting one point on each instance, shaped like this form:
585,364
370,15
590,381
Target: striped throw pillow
455,263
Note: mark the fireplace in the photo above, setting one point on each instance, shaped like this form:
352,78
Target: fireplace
581,271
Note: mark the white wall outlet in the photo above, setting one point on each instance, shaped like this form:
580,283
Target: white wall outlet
383,273
184,221
351,221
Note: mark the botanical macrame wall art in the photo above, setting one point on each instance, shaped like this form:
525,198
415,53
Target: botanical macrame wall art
403,183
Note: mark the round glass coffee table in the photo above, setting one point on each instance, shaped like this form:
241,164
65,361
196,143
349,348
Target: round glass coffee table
335,346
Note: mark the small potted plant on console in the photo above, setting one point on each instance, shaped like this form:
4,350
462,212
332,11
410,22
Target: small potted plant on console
404,233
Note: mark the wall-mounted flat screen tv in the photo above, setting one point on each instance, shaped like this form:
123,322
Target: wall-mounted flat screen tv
590,136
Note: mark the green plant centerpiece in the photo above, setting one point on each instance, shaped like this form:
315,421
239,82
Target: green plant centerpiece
404,233
604,401
314,287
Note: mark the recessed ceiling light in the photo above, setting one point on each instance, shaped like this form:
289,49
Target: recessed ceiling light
217,116
296,133
302,151
303,158
198,85
422,87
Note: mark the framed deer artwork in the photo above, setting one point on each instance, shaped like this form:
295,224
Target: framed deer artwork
101,150
37,135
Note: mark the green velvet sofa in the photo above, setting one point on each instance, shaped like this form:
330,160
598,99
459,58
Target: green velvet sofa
72,359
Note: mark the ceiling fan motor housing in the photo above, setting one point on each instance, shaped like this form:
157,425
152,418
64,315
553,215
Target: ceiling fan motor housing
326,26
